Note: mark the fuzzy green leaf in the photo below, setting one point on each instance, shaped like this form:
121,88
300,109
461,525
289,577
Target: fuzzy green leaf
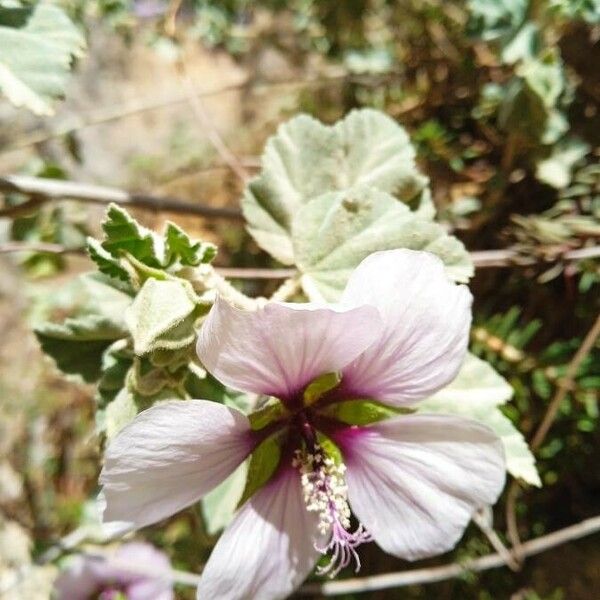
180,248
116,362
335,232
105,262
218,506
263,463
77,345
557,169
125,234
305,159
162,316
37,48
476,393
121,411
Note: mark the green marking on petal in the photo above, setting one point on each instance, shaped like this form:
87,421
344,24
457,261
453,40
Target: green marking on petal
271,412
263,463
362,412
320,386
330,448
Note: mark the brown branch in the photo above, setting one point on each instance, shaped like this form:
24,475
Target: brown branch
54,189
565,384
358,585
44,247
433,574
207,125
109,114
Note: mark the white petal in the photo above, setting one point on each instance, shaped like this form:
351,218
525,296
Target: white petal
426,327
169,457
268,549
414,481
278,349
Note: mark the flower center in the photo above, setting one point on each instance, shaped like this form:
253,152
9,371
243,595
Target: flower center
326,493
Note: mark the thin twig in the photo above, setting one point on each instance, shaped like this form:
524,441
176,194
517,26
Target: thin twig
208,127
434,574
258,273
479,518
43,247
565,384
358,585
107,115
254,273
55,189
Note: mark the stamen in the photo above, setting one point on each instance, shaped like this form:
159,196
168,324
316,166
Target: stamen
326,493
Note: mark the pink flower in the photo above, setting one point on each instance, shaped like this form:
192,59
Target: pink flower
118,576
412,481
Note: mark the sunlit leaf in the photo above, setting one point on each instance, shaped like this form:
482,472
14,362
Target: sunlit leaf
335,232
476,393
162,316
121,411
305,159
557,169
219,505
77,345
37,47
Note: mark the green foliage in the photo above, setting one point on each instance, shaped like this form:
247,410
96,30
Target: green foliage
320,386
38,44
476,393
362,412
506,23
306,159
263,464
334,232
135,337
219,505
77,345
367,163
132,253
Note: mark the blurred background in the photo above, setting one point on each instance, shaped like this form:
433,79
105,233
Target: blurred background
174,100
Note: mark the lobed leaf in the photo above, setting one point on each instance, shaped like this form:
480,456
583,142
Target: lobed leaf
333,233
476,393
37,47
305,159
77,345
162,316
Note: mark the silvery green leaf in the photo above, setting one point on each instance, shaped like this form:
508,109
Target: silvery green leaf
305,159
105,261
180,248
125,235
476,393
545,76
121,411
505,23
494,19
530,104
102,297
37,47
557,169
219,505
162,316
77,345
587,10
524,45
116,362
334,232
